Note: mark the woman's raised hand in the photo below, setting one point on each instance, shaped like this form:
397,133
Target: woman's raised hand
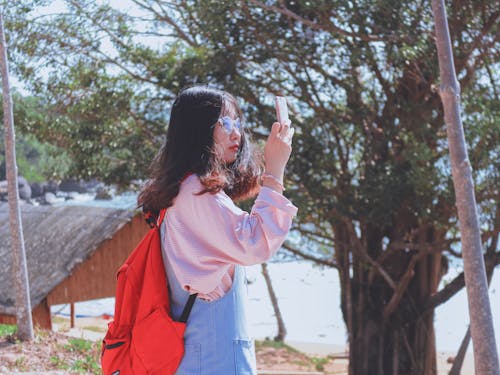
278,149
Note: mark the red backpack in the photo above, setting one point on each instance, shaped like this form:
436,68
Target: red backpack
143,338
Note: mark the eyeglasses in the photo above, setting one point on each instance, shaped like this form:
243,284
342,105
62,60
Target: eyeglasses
228,124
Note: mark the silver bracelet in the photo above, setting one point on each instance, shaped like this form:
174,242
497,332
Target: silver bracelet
268,175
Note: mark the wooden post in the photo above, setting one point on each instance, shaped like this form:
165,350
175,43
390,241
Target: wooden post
72,308
19,269
481,322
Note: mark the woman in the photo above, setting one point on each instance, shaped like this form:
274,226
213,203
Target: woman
206,164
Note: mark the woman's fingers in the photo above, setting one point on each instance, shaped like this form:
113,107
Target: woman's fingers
278,148
283,131
286,132
276,128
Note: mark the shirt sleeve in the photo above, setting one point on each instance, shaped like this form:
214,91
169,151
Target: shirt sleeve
212,231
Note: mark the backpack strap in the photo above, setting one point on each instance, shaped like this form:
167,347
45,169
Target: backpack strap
161,216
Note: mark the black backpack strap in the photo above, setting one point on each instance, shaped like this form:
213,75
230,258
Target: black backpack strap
187,308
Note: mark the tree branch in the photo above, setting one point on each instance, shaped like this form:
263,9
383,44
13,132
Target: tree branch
431,247
316,26
301,254
113,61
169,20
100,26
401,288
490,23
491,260
446,293
315,234
360,250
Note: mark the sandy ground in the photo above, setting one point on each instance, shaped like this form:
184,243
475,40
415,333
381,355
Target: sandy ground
93,329
308,358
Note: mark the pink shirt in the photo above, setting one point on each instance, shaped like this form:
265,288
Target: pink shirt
207,235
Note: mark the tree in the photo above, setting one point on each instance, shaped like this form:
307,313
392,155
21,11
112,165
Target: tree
37,161
369,167
481,327
20,269
274,300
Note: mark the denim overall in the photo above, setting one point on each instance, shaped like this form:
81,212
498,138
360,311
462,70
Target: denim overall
216,338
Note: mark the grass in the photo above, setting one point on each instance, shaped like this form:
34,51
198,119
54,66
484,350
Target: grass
303,360
275,345
94,329
320,362
21,363
86,365
7,329
78,345
76,355
58,362
88,356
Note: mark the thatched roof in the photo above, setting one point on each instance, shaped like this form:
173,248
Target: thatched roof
56,240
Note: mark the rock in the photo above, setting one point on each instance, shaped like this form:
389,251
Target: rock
3,190
3,187
50,198
50,187
36,190
103,193
24,188
92,186
73,185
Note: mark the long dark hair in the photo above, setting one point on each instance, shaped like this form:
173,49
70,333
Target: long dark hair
189,148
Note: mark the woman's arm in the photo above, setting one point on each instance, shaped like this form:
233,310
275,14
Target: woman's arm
218,231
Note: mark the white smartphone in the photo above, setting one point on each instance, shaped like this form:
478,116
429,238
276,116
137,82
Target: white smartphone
281,109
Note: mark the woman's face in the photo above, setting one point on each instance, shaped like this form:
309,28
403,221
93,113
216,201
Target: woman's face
227,135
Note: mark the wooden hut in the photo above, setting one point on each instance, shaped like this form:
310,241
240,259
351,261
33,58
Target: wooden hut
73,253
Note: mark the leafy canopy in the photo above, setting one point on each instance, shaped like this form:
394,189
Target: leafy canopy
361,79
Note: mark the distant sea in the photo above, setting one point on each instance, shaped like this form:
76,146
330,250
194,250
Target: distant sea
309,300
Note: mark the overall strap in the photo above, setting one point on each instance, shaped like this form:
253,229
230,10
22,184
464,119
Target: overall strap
187,308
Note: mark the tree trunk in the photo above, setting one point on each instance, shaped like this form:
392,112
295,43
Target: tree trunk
281,324
462,351
405,342
389,331
458,361
20,270
481,323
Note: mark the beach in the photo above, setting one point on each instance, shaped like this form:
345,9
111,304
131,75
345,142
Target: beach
92,328
309,299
